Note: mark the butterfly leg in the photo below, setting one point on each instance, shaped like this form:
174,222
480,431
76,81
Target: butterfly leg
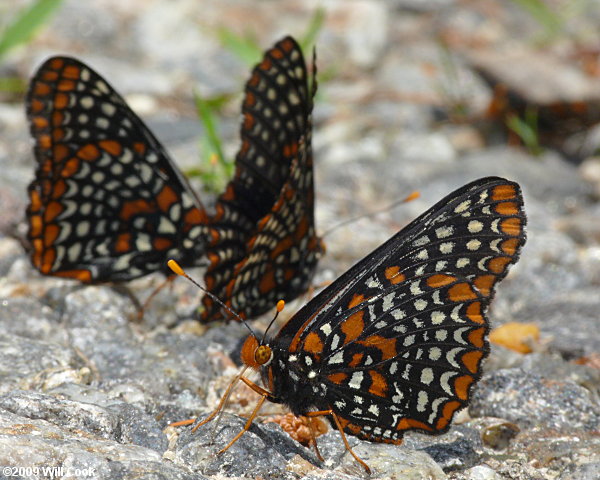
313,438
222,402
341,429
144,306
265,395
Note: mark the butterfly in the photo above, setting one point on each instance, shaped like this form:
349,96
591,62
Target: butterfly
397,342
262,240
108,204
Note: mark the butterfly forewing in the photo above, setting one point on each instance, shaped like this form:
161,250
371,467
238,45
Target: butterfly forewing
397,342
265,215
106,203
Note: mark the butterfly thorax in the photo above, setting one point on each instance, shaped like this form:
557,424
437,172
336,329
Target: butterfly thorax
294,379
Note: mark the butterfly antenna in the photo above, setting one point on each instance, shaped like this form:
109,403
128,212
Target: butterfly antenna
409,198
176,268
280,307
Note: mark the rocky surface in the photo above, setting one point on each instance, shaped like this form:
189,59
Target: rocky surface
86,386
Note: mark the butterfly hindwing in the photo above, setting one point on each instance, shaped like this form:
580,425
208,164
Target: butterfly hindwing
107,203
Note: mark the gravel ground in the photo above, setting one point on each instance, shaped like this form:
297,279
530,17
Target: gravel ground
403,95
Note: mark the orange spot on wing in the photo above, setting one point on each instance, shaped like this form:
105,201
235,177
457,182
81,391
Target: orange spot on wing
111,146
485,283
474,312
476,337
409,424
287,45
337,378
379,385
53,209
57,117
35,222
248,118
447,414
71,167
48,258
282,247
161,243
214,236
44,141
88,152
439,280
65,85
498,264
503,192
393,275
471,360
267,282
35,201
461,386
510,246
266,64
61,100
36,257
194,217
123,243
507,208
82,275
135,207
313,343
387,346
139,147
36,105
461,292
166,198
50,234
57,134
511,226
41,89
353,326
357,299
60,187
56,63
49,76
301,229
72,72
39,122
356,359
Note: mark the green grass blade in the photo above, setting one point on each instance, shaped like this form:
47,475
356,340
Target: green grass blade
205,112
12,85
244,47
526,129
543,14
26,23
314,27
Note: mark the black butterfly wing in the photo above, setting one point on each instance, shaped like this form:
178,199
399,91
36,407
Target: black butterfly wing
282,256
397,342
106,202
277,119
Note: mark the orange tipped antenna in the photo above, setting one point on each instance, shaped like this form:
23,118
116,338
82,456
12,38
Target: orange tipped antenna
176,268
409,198
280,306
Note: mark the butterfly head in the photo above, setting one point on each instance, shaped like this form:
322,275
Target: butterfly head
257,353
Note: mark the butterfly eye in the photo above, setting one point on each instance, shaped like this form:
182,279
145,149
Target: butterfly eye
263,355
